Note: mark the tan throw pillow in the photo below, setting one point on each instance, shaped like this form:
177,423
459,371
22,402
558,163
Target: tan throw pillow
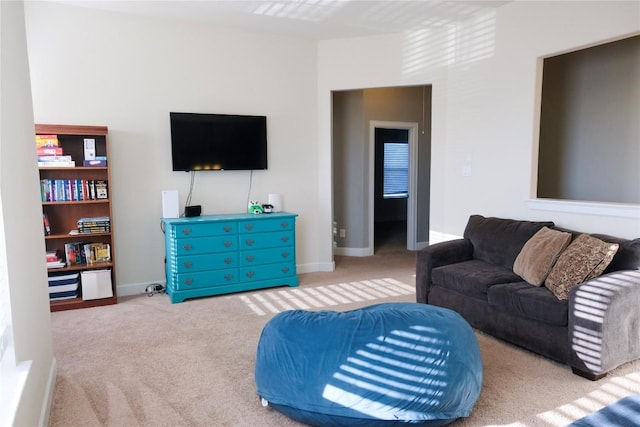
585,258
539,254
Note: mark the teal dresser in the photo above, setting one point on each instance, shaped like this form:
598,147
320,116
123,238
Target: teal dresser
218,254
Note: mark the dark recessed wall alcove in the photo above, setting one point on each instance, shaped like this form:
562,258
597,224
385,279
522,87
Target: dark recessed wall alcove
589,146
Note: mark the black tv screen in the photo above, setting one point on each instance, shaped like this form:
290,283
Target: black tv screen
218,142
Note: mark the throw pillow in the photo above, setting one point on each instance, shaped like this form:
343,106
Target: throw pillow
539,254
584,259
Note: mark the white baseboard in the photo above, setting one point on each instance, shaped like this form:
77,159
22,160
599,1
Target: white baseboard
136,288
352,251
314,267
48,393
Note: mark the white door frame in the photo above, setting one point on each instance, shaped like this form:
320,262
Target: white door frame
413,174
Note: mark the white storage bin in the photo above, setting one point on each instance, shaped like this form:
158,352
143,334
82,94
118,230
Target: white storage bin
96,284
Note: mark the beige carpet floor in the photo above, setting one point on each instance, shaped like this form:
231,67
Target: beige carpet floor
147,362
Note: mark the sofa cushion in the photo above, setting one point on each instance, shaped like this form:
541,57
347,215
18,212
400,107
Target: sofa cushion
472,278
530,302
539,254
626,258
584,259
499,241
628,255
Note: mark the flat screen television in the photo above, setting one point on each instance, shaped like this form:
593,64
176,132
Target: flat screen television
218,142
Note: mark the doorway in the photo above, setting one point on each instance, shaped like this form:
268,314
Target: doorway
391,189
392,216
355,115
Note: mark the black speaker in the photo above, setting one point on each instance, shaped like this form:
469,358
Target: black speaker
192,210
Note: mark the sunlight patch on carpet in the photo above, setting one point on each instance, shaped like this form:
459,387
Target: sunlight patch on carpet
319,297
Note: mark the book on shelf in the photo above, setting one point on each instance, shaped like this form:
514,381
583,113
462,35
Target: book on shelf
45,223
66,190
54,261
94,225
94,221
51,255
47,141
49,151
101,189
56,164
74,253
97,252
87,252
54,158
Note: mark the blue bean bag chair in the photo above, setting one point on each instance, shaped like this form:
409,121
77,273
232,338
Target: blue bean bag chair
384,365
623,413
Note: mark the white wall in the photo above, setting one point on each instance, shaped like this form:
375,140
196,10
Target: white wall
128,73
23,266
125,72
486,81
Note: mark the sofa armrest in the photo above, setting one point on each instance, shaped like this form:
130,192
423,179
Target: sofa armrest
437,255
604,323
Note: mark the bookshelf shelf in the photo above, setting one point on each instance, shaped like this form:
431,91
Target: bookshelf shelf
75,303
82,267
69,194
75,202
81,236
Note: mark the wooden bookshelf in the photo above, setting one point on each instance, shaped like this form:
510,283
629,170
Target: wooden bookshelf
63,214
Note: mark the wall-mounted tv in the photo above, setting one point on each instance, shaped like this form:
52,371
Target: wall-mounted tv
218,142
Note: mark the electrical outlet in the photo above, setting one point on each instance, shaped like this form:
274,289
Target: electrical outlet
343,233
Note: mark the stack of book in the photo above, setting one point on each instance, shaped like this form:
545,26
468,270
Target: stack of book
100,224
53,261
50,152
87,253
63,286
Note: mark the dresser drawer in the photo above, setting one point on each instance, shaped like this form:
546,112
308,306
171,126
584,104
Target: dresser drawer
204,262
262,225
203,245
266,272
204,279
180,231
266,240
267,256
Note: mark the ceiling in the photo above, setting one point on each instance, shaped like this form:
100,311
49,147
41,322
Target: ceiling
314,19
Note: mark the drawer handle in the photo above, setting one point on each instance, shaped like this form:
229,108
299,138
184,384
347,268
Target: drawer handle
227,228
187,264
250,258
228,277
228,260
285,254
188,281
284,224
186,231
248,227
227,244
250,274
285,238
249,242
187,247
285,269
